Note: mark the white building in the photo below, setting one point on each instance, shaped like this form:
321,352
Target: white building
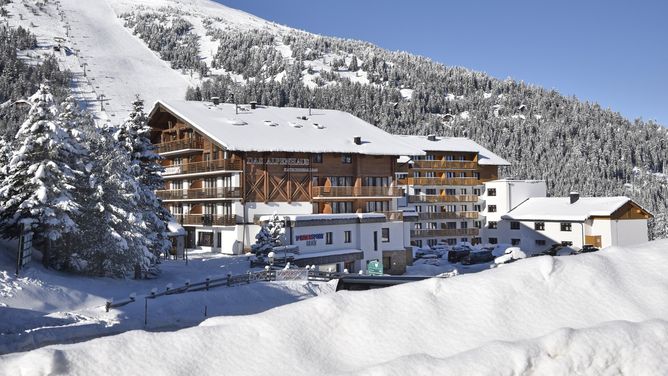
349,241
500,197
539,222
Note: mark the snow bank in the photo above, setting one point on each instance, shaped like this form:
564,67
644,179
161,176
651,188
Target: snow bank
484,323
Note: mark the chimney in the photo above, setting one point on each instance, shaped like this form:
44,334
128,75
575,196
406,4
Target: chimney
574,197
253,105
358,140
431,137
215,100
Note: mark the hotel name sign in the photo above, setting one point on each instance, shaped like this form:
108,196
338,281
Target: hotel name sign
284,162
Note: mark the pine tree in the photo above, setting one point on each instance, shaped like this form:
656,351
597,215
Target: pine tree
134,135
38,191
271,235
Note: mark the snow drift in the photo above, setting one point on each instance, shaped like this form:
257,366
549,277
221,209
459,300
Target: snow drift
599,313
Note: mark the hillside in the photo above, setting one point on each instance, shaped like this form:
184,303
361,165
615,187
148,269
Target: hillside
591,314
160,48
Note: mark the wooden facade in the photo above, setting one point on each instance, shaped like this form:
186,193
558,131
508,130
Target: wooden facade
331,181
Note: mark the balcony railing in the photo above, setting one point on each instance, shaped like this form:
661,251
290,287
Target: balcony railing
455,165
187,143
364,191
393,215
205,219
442,198
440,181
206,166
449,215
422,233
198,193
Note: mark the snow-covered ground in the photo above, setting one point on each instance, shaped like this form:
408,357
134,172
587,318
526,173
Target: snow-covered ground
591,314
42,306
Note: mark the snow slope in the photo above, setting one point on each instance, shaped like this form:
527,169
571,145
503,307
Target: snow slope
119,65
601,313
43,307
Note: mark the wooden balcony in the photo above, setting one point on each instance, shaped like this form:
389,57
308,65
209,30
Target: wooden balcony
184,144
352,192
205,219
446,165
199,193
206,166
440,181
442,198
422,233
449,215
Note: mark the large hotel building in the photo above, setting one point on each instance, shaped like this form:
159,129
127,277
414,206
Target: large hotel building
227,165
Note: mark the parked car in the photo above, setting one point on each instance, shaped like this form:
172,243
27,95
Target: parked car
457,255
478,258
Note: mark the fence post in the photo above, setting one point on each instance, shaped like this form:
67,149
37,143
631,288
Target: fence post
146,310
229,279
248,273
107,305
208,279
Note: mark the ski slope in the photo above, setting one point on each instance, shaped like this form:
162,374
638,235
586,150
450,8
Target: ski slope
601,313
119,66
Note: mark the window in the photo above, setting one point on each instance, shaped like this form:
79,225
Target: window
491,208
342,207
432,242
492,225
477,208
463,191
491,192
205,239
451,225
452,241
317,158
418,243
566,243
476,175
346,158
462,174
430,191
328,238
566,226
462,207
449,174
464,240
493,241
450,191
375,240
515,241
463,225
430,174
449,158
540,242
539,226
385,234
514,225
450,208
476,191
477,224
347,236
417,191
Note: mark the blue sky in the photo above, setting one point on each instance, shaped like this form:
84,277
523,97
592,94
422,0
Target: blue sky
611,52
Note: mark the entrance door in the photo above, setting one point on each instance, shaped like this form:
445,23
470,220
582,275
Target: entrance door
190,237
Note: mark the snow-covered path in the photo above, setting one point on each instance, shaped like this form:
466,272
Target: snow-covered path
120,66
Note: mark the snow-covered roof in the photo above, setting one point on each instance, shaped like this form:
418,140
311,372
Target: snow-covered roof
286,129
561,209
458,144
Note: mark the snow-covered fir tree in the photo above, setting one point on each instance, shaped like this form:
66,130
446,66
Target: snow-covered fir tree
38,191
134,135
271,234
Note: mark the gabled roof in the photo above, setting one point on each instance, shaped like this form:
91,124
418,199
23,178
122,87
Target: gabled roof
560,208
284,129
457,144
